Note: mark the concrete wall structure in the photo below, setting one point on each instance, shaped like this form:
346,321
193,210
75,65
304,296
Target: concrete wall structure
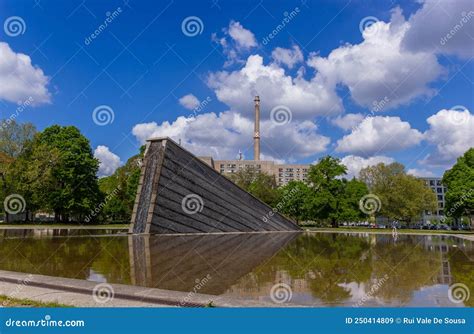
179,193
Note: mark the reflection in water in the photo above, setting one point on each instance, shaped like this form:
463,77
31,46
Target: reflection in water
321,268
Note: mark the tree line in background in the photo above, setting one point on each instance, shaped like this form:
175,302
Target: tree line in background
54,171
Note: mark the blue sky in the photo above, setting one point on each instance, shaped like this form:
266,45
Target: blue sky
366,81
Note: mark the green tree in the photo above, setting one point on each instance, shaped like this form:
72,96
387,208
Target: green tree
402,197
120,190
293,200
460,183
325,179
71,188
349,209
259,184
14,136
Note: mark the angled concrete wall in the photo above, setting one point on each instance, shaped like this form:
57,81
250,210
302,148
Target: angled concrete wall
179,193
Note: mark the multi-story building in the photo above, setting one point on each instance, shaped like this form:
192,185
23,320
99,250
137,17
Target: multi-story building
283,173
437,187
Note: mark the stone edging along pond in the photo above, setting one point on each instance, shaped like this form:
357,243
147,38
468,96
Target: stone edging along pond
82,293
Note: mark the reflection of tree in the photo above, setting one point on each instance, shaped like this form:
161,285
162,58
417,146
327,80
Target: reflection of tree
70,258
462,271
408,266
324,261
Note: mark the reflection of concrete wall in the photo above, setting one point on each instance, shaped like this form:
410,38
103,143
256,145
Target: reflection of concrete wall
178,263
171,174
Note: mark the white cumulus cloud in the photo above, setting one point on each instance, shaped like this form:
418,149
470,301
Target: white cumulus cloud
452,134
232,132
288,57
348,121
109,161
379,68
443,27
379,134
19,79
420,172
243,37
189,101
355,163
306,99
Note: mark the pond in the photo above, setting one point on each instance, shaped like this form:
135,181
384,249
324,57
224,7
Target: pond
316,269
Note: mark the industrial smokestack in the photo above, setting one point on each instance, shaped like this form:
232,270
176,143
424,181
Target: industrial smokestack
256,136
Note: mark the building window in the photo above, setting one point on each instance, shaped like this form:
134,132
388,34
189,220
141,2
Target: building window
432,183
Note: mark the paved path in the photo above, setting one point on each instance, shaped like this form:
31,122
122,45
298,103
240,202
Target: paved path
80,293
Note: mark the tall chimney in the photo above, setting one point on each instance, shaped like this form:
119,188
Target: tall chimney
256,136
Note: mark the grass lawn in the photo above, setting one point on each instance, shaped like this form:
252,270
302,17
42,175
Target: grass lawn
14,302
383,230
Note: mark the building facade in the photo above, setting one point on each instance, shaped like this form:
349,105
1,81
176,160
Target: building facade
434,183
283,173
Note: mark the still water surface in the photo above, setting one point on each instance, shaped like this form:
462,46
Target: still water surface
322,269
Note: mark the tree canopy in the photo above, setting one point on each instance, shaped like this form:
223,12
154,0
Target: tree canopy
460,183
402,196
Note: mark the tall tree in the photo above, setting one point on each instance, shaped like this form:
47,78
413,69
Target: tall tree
72,188
349,207
402,197
325,179
293,200
259,184
14,136
460,183
120,190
